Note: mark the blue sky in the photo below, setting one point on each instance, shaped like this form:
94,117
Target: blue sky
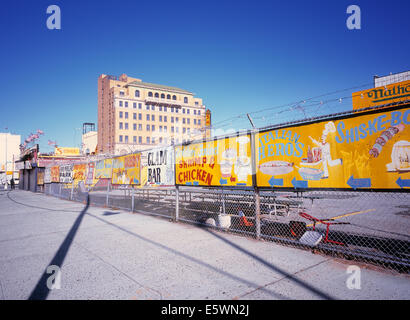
239,56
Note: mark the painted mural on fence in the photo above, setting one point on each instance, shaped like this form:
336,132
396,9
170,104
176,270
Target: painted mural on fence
89,180
103,169
126,169
47,175
158,167
222,162
366,151
55,174
79,172
66,173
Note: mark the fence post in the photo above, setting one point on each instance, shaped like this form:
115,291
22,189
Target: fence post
132,200
108,191
72,190
176,203
257,213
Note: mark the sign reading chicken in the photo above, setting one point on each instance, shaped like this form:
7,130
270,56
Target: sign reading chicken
366,150
221,162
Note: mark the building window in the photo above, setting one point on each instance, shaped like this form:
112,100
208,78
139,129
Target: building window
134,105
172,129
160,140
162,96
172,109
120,103
196,103
126,104
139,116
183,130
160,118
126,115
153,108
120,114
199,121
153,118
137,93
153,140
120,138
135,139
140,139
176,119
165,118
147,106
120,125
165,128
156,95
121,93
165,109
134,116
183,110
176,110
147,139
147,117
140,127
185,100
183,120
168,96
153,128
126,139
148,127
126,126
174,97
139,105
134,126
199,112
160,108
150,94
172,119
188,120
194,121
160,128
176,129
194,111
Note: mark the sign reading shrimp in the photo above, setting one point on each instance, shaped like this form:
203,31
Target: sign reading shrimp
221,162
366,150
126,169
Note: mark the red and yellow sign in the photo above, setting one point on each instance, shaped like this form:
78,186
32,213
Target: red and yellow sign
222,162
370,150
79,172
55,174
395,92
126,169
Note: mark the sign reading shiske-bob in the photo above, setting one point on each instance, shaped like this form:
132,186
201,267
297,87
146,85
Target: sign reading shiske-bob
364,150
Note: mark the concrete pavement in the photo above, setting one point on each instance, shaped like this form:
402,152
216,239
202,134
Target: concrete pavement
114,254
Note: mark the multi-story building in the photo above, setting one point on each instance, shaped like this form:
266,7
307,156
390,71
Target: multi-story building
135,115
9,152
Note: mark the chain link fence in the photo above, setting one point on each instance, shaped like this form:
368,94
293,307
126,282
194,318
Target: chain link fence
363,226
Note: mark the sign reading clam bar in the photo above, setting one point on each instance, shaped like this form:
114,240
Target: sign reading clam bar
368,150
66,173
126,169
158,167
395,92
221,162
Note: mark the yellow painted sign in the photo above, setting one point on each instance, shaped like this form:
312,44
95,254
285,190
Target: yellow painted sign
59,151
79,172
368,150
103,169
55,174
222,162
126,170
381,95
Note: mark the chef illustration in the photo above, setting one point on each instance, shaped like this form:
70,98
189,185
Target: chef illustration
324,147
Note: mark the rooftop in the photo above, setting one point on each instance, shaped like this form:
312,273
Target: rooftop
154,86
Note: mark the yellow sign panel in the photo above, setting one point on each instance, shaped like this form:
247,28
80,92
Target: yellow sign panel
222,162
66,151
371,150
103,169
79,172
55,174
395,92
126,170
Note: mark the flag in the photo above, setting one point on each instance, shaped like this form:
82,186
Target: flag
40,131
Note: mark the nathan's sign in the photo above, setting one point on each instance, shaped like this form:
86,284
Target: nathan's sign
366,150
395,92
157,167
60,151
221,162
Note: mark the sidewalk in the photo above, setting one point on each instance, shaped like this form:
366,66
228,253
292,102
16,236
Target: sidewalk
114,254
